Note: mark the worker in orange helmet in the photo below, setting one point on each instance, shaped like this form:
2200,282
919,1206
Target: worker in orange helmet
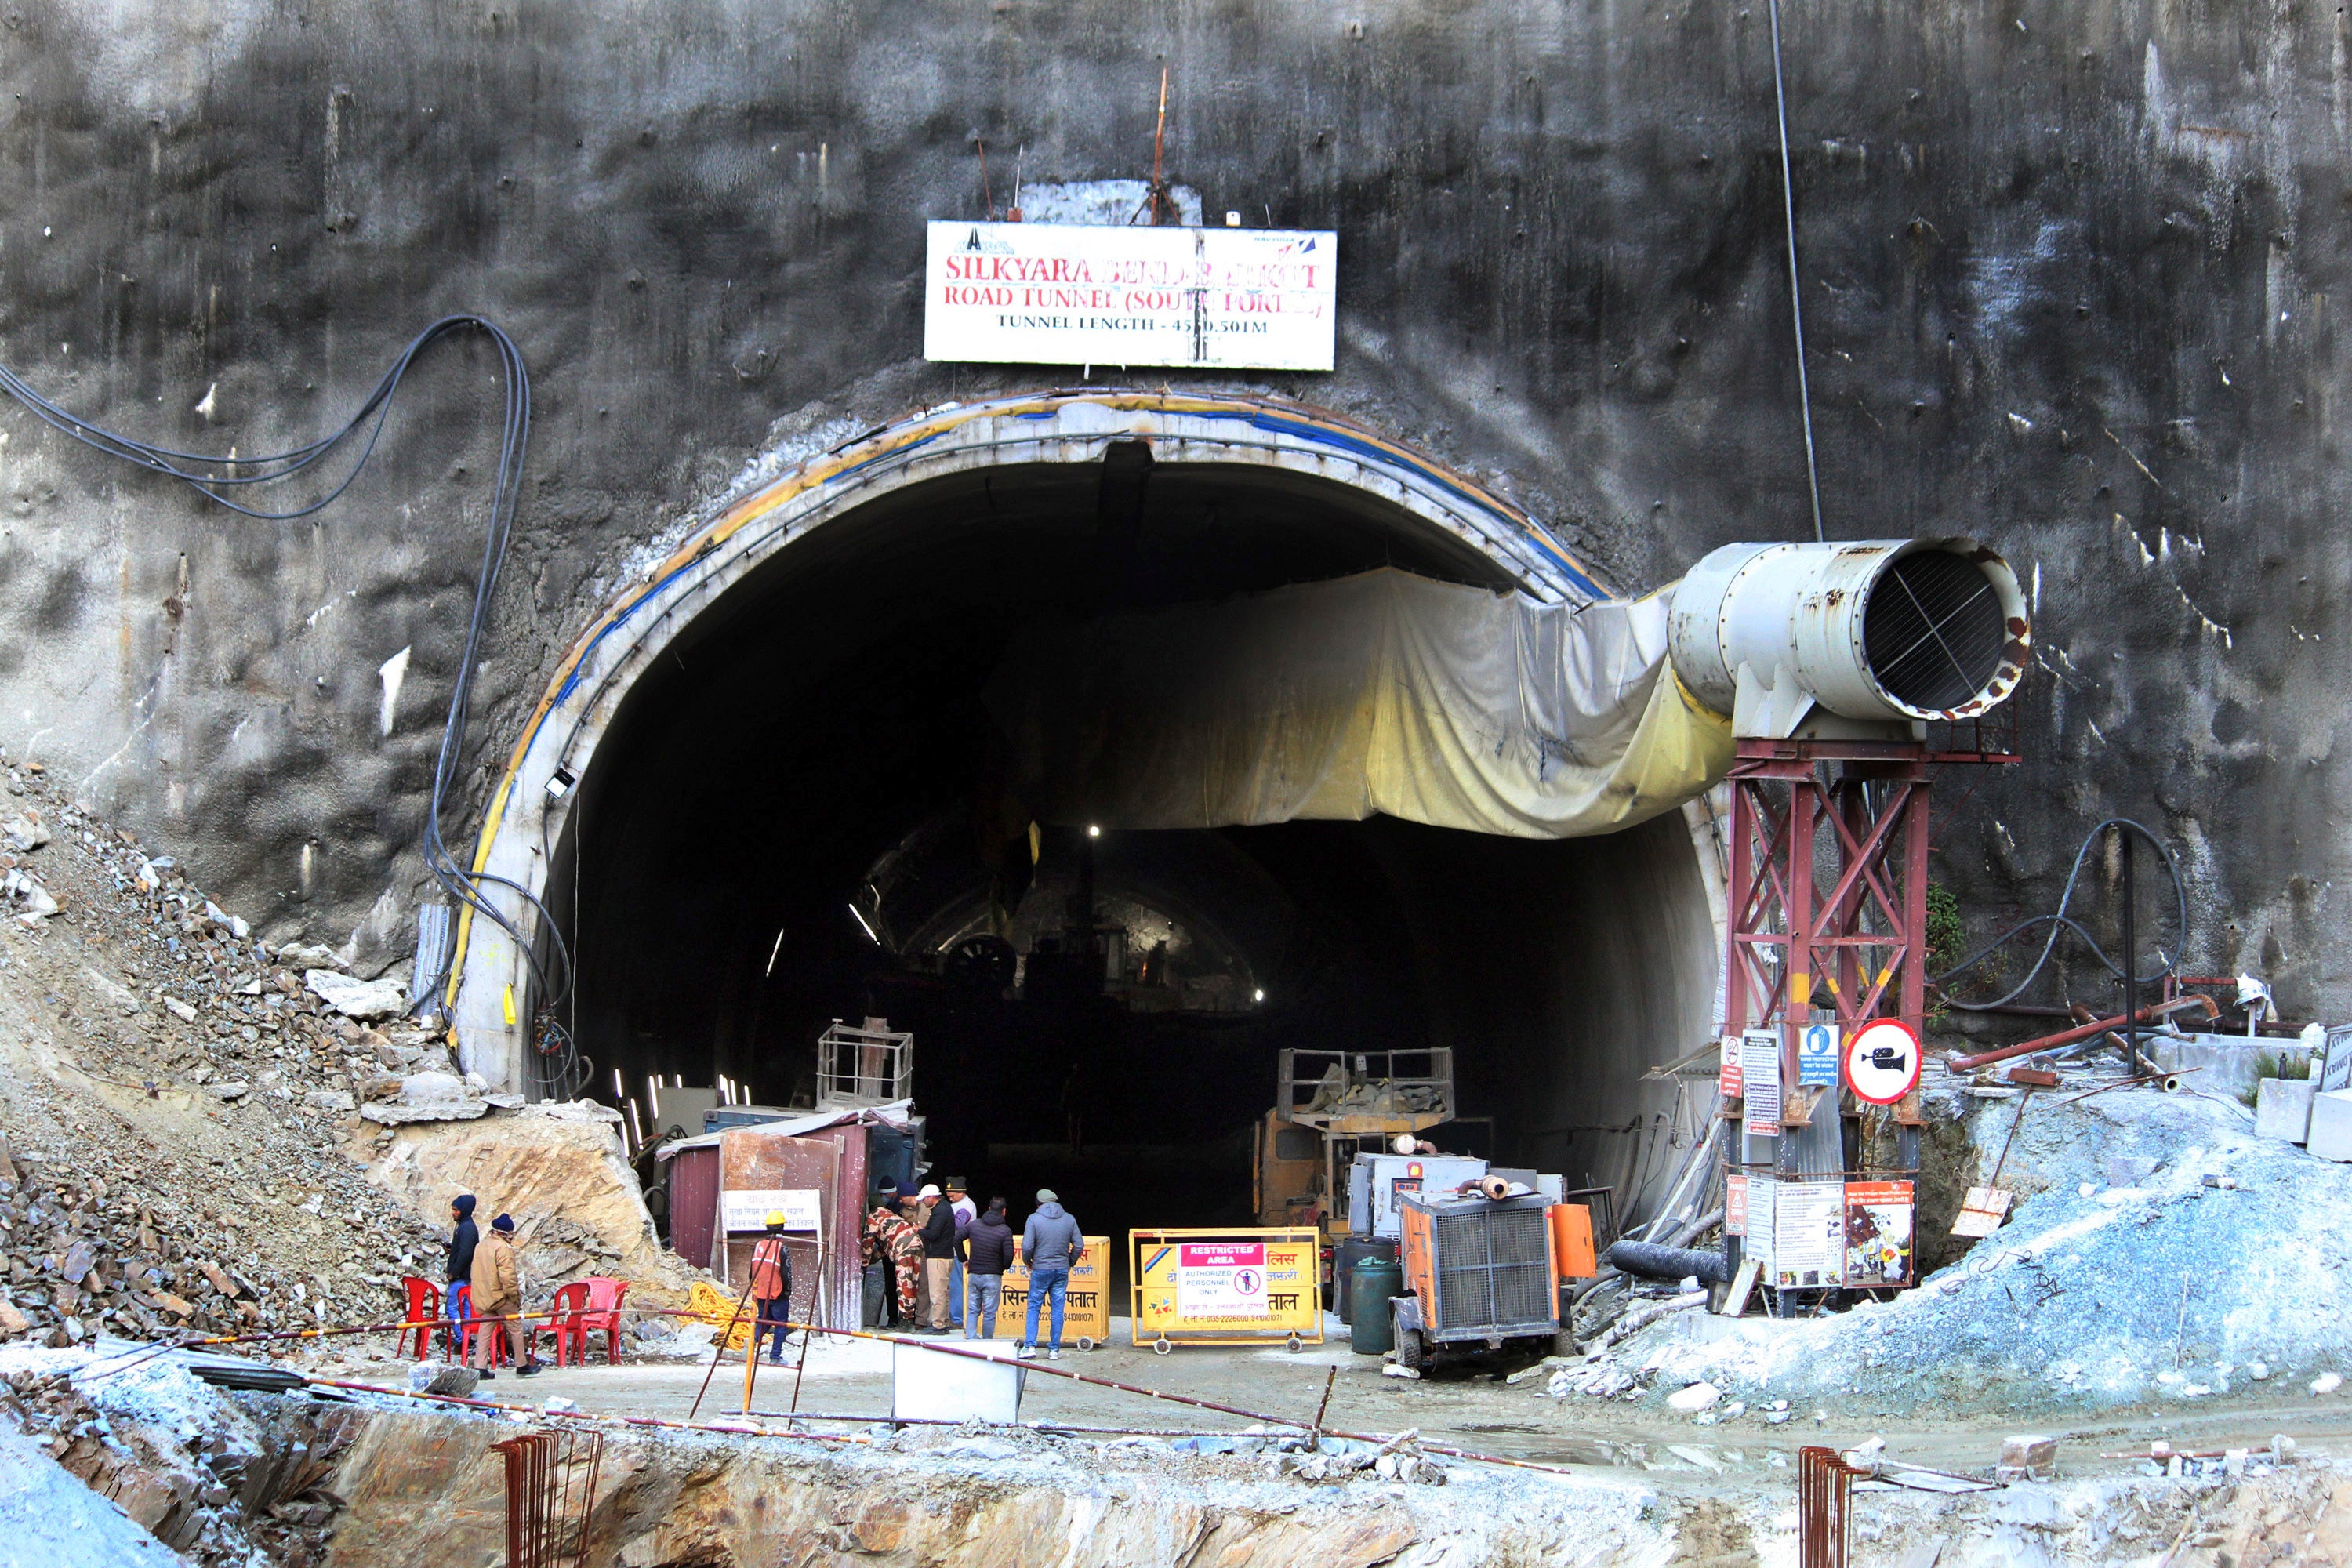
772,1287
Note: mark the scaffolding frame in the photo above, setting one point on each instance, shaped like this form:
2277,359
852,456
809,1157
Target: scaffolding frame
858,1068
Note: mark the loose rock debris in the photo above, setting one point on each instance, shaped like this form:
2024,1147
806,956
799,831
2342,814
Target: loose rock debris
177,1110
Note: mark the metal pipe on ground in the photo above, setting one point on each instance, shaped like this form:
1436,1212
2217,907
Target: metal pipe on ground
2161,1011
1652,1261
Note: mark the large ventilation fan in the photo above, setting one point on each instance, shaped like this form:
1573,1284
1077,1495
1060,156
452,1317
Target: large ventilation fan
1878,631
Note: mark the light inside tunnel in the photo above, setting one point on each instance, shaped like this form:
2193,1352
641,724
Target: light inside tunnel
1096,1009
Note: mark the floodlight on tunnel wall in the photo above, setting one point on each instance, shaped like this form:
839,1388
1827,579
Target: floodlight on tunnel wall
1878,631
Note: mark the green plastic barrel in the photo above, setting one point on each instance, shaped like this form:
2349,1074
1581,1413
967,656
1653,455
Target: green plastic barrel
1371,1328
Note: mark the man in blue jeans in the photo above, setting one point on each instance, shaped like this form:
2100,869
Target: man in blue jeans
965,1213
1050,1243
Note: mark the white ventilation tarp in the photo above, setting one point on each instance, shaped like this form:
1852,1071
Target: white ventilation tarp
1381,694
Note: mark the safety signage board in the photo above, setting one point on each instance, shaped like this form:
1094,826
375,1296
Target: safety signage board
1763,1211
1817,1056
1086,1304
1759,1070
1809,1235
1877,1234
1034,293
1242,1285
1882,1061
750,1209
1728,1080
1735,1203
1217,1280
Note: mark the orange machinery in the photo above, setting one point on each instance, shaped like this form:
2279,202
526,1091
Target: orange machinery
1481,1273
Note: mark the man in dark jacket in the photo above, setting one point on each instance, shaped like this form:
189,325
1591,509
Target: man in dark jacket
938,1256
460,1259
1050,1243
988,1253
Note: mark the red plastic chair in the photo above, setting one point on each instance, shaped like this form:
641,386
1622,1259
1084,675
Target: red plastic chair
603,1315
565,1324
501,1353
425,1311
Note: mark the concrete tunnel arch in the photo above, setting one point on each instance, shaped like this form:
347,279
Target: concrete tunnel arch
1611,963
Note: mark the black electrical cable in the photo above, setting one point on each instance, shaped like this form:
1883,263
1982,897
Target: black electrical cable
2059,922
208,475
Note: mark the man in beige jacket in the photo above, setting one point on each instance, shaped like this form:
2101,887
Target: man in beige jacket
497,1292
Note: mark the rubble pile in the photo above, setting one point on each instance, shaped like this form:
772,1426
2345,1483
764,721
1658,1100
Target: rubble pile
1335,1096
2161,1255
177,1099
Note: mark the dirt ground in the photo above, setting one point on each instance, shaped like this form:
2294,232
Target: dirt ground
1473,1410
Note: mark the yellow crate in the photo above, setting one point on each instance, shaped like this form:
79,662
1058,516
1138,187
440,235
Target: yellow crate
1085,1310
1226,1286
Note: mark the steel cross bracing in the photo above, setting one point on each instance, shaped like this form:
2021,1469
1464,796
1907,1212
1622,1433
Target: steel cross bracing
1828,886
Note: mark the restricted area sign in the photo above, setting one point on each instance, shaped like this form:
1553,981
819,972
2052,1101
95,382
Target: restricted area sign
1882,1061
1226,1286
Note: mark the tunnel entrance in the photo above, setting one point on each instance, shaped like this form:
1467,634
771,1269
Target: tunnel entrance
800,811
801,816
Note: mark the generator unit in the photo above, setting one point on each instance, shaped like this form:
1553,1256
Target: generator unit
1477,1272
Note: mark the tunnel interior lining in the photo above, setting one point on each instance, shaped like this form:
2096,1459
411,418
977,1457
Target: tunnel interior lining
819,730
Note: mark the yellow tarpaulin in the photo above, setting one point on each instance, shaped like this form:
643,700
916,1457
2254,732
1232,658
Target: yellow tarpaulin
1379,694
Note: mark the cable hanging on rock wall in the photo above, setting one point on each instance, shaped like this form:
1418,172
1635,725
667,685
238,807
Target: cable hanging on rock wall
2060,921
223,479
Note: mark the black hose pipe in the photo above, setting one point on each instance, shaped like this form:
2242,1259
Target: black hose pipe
1652,1261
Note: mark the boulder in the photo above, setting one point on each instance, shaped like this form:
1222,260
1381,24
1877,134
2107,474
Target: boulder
534,1166
432,1377
428,1097
363,999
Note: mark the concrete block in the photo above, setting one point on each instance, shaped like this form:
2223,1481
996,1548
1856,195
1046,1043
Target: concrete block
2283,1109
2331,1124
2030,1453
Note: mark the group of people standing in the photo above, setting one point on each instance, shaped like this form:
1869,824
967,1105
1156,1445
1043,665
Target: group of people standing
484,1289
947,1261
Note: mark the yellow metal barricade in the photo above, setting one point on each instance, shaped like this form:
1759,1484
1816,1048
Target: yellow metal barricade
1239,1286
1086,1309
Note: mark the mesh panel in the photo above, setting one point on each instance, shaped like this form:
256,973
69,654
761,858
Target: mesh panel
1933,632
1493,1269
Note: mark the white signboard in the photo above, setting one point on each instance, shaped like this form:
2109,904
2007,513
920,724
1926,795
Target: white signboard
1759,1072
1763,1213
748,1209
1808,1234
1220,1280
1036,293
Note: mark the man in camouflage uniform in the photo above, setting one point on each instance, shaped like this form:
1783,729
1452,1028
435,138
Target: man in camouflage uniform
889,1238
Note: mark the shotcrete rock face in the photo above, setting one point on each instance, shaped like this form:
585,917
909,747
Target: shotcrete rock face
2065,283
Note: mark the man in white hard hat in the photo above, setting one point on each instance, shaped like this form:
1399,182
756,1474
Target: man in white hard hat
938,1230
772,1287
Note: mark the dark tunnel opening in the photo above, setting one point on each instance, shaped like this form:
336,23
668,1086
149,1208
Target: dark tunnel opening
802,814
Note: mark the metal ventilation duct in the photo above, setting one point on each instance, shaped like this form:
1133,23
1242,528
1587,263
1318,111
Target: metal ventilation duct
1875,630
